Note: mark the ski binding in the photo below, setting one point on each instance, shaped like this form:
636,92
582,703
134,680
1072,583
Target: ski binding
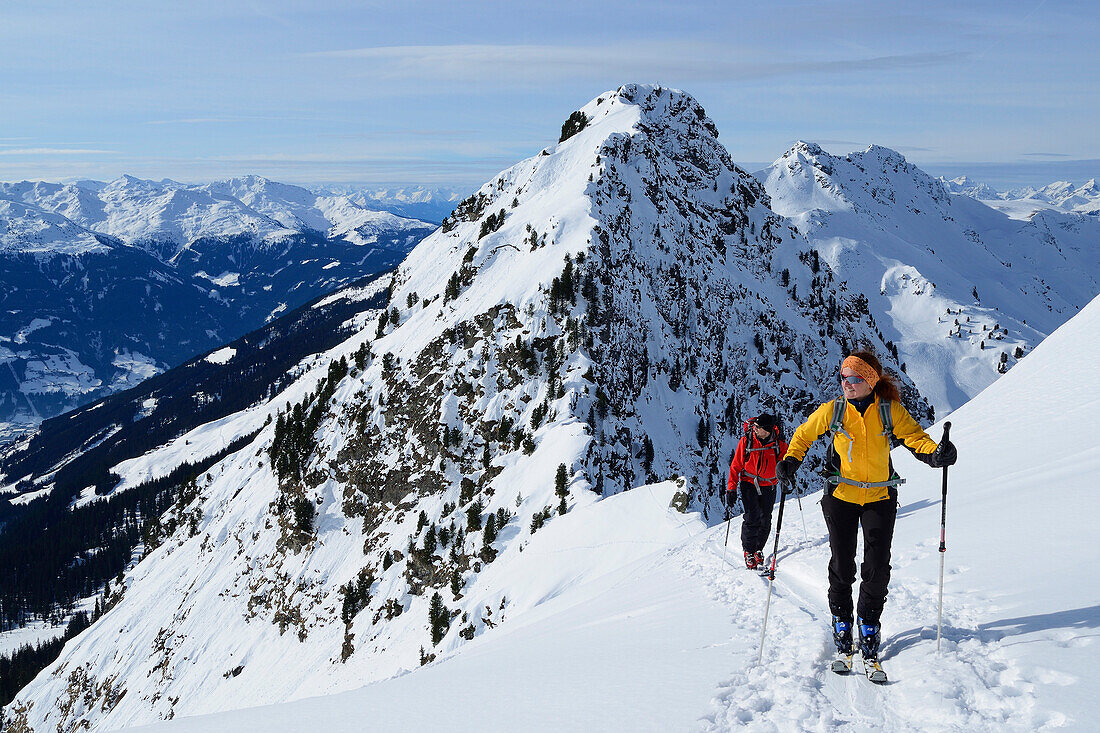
842,664
875,672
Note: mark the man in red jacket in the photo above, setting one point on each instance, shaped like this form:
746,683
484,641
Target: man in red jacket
753,467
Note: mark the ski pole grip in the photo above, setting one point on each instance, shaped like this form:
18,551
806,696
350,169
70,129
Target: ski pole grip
946,430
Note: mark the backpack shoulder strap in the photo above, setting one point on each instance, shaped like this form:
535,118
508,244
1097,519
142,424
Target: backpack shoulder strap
839,405
836,425
886,414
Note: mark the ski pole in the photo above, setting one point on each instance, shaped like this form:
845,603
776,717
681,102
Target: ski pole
798,495
943,537
771,571
725,544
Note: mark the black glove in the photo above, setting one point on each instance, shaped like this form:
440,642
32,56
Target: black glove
944,455
788,487
729,498
784,470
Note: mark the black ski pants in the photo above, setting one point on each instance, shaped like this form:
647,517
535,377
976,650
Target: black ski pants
757,524
843,520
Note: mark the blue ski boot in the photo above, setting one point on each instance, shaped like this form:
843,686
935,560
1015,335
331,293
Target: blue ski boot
842,637
869,637
842,634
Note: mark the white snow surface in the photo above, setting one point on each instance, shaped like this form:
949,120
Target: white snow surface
221,356
647,623
33,634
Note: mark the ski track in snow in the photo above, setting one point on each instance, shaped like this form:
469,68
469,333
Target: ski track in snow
971,685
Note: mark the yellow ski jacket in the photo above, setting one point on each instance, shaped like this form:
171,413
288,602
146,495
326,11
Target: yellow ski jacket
865,455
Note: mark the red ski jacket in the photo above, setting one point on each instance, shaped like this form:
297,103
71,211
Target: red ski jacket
756,463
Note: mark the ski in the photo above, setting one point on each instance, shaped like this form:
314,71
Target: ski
874,671
842,664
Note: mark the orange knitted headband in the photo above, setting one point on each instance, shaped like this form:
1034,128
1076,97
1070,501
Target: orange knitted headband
862,368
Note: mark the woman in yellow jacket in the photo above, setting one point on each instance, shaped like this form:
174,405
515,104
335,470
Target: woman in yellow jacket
861,490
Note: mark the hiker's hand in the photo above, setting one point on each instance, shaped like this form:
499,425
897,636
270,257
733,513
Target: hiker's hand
944,455
784,470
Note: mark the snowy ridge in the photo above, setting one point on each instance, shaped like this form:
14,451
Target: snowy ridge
27,229
958,286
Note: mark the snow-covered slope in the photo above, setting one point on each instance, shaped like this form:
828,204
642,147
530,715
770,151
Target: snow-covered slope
34,231
960,288
666,637
597,317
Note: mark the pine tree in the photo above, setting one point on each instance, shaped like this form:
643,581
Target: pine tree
439,618
490,535
456,583
576,122
430,541
561,487
702,432
473,517
453,288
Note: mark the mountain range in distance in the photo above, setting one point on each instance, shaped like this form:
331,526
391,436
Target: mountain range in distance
106,284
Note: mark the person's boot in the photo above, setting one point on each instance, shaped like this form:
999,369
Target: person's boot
759,558
750,560
842,635
869,637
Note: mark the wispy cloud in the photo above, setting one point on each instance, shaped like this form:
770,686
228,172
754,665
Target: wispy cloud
374,134
829,141
230,119
1047,155
196,121
57,151
648,60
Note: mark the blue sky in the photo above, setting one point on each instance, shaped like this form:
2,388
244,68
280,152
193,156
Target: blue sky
450,93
